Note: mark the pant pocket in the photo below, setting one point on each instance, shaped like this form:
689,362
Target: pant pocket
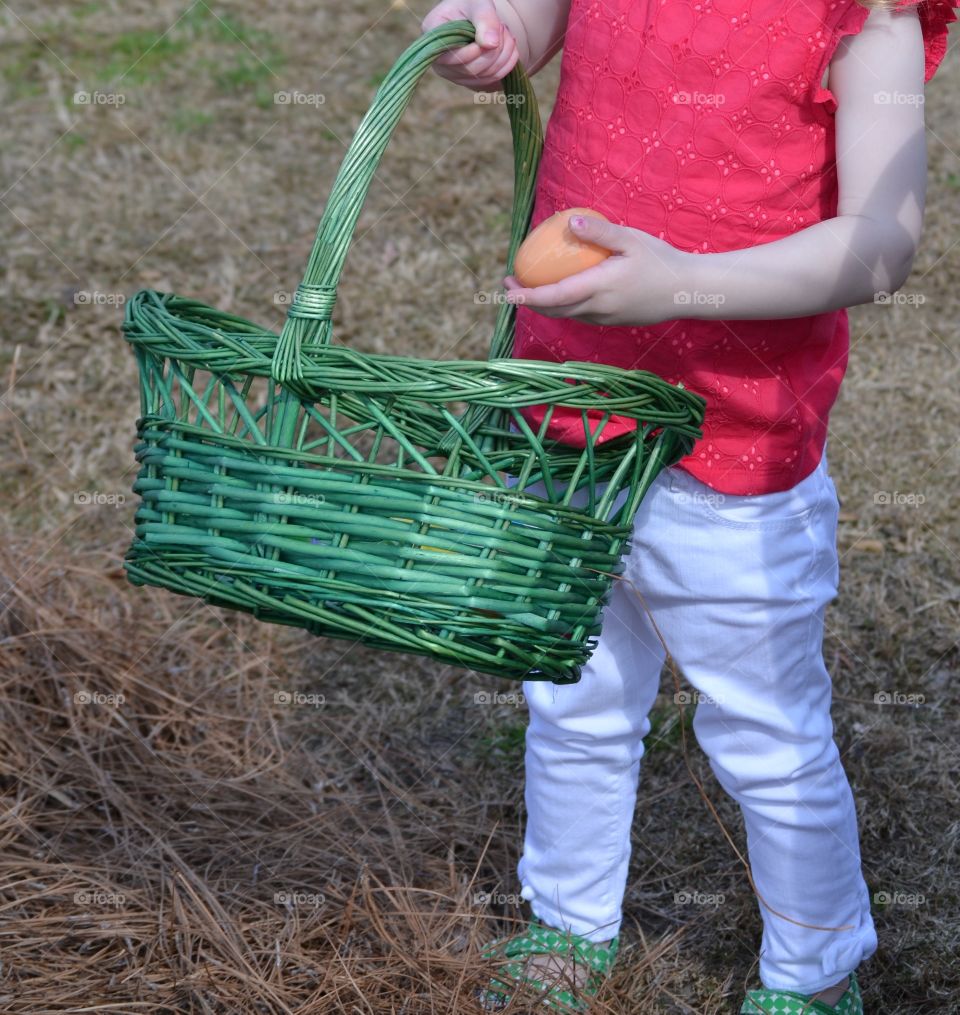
781,509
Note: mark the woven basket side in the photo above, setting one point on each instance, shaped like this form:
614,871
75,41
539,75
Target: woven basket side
367,497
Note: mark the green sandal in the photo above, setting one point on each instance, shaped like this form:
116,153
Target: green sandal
786,1002
541,939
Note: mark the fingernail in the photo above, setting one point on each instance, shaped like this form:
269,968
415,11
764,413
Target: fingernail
576,221
491,37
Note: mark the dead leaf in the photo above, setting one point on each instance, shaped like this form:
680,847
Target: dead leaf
869,546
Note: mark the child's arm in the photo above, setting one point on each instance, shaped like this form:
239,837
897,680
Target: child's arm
544,23
507,30
866,249
869,246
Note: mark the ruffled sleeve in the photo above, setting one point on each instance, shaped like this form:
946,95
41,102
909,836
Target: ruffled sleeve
934,15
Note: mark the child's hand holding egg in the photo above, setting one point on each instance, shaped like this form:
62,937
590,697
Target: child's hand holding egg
551,252
553,271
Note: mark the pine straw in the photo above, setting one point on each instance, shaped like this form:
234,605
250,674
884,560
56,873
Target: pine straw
172,840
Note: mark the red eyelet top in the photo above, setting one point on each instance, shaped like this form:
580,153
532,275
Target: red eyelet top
705,124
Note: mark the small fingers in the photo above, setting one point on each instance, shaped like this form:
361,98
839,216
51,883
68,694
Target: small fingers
463,55
569,291
506,61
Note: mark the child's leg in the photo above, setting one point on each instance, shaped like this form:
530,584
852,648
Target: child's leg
740,602
583,747
584,742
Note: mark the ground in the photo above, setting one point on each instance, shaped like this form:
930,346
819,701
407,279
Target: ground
177,834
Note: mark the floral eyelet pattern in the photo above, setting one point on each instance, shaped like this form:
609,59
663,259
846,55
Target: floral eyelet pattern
705,123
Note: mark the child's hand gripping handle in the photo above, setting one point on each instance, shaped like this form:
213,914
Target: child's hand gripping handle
483,63
308,323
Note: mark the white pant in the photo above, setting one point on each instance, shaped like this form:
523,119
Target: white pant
737,586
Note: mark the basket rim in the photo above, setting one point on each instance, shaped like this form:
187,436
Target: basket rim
203,347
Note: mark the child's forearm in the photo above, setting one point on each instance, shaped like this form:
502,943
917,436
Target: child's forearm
537,26
837,263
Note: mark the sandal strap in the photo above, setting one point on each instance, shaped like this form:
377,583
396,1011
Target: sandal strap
537,938
540,939
788,1002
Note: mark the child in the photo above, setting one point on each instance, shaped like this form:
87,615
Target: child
755,204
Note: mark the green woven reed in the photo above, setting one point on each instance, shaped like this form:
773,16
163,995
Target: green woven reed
363,497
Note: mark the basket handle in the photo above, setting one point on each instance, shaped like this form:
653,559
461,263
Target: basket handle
308,322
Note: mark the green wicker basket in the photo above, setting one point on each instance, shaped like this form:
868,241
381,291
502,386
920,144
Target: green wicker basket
363,497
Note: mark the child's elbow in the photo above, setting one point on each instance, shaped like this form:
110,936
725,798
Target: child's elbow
885,247
892,267
900,264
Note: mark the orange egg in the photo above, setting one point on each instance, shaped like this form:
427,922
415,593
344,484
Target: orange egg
552,252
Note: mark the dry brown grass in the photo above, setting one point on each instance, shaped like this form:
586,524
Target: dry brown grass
150,842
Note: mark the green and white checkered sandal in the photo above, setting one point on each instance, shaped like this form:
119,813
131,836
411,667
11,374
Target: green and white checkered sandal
539,939
786,1002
